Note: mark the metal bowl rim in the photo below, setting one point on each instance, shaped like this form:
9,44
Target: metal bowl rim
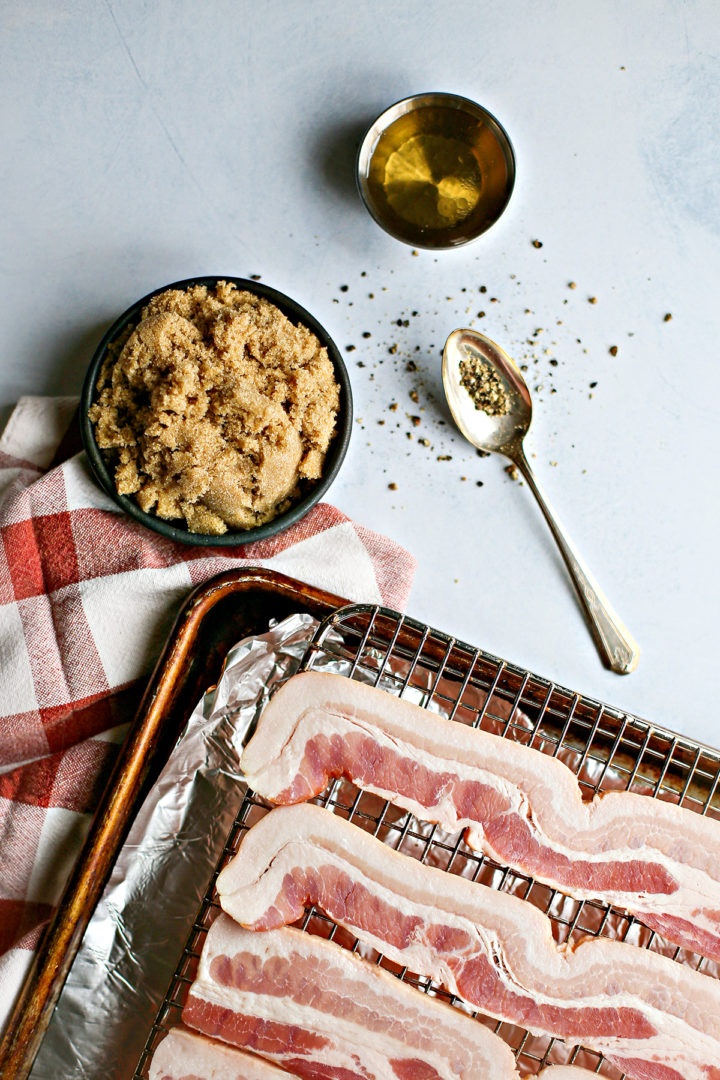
383,121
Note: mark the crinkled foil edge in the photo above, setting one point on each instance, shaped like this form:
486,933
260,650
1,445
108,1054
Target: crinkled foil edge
136,935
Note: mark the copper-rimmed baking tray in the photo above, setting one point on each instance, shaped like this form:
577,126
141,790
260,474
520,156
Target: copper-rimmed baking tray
605,747
216,615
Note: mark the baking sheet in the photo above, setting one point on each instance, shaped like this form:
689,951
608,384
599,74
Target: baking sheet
137,946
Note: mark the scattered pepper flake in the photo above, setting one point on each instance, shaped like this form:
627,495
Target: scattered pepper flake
613,350
349,348
393,407
572,285
414,420
667,317
444,457
366,334
414,396
344,288
592,299
393,349
393,486
537,243
511,471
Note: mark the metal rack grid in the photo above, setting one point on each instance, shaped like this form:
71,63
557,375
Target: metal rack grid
605,748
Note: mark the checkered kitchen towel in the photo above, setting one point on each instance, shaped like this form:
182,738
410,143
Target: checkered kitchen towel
86,599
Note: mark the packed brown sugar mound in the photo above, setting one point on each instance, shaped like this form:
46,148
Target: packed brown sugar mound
217,409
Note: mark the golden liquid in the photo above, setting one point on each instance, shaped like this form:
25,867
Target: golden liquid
437,175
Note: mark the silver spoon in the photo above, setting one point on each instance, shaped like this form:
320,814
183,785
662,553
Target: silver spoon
504,435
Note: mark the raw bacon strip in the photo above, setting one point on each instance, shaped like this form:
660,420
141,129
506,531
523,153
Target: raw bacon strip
652,1017
655,859
183,1056
318,1010
323,1013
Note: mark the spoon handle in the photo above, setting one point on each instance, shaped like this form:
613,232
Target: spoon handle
615,643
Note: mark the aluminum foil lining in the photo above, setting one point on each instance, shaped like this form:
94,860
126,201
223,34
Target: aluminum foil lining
136,935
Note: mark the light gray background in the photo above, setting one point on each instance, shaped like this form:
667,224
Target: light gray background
147,142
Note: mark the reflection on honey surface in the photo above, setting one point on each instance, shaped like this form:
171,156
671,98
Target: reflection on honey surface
433,181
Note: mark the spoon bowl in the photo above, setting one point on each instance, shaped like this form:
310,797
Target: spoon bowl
496,434
503,433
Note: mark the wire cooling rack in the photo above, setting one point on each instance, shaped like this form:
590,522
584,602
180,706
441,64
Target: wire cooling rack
606,749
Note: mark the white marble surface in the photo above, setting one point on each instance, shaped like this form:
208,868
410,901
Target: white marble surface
148,142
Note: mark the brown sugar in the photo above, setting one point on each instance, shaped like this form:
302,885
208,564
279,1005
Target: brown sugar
216,409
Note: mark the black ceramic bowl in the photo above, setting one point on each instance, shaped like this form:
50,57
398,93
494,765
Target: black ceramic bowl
176,530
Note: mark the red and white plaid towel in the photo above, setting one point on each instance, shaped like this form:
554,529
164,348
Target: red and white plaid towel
86,599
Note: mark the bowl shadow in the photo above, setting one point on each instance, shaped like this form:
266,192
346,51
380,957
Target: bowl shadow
333,155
